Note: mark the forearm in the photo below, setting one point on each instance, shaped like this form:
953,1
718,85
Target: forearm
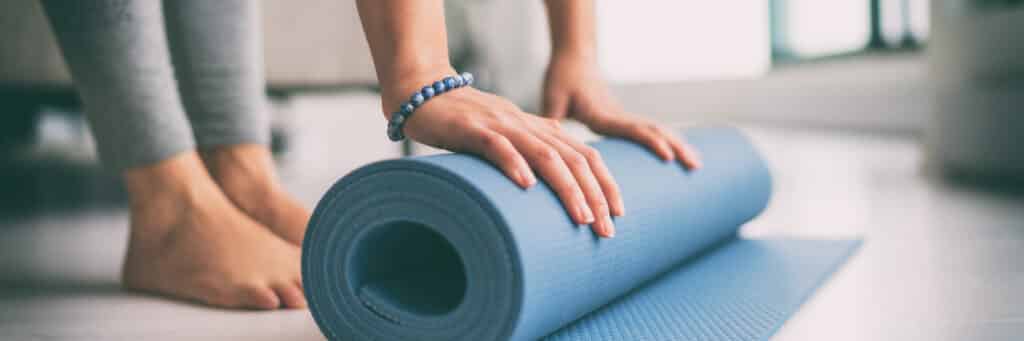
408,43
572,26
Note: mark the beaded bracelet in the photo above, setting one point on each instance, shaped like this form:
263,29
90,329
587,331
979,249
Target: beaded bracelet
417,99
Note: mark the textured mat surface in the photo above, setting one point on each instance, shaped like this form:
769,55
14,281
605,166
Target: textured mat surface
743,290
446,248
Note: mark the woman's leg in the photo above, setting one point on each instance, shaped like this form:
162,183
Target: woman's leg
187,240
118,58
217,53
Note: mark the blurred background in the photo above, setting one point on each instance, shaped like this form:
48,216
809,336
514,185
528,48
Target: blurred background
895,120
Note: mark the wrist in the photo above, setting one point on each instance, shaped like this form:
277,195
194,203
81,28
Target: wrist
419,96
572,63
397,87
574,54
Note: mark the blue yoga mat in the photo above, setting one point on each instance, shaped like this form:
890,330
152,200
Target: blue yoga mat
445,247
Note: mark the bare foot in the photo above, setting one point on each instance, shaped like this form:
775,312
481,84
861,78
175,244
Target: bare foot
245,172
188,241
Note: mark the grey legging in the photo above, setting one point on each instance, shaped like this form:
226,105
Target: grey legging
146,69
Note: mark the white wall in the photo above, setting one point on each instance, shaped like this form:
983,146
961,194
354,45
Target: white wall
817,28
667,41
639,42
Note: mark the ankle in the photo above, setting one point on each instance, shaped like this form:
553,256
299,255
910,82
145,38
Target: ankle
168,187
246,162
245,171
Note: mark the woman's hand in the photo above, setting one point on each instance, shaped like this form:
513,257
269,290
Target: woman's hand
472,121
574,88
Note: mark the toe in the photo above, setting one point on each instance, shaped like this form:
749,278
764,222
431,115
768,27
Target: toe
259,297
291,295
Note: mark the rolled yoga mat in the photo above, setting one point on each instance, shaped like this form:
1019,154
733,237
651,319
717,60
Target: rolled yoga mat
445,247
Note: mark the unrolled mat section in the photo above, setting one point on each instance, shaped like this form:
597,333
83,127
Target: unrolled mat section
446,248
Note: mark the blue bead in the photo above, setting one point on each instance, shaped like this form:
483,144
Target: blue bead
468,77
397,118
439,88
449,82
395,133
417,99
427,92
407,108
459,82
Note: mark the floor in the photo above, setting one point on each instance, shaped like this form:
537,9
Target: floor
940,261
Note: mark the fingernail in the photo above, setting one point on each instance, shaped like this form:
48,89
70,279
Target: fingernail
620,208
530,178
524,179
585,214
519,178
693,164
609,227
694,157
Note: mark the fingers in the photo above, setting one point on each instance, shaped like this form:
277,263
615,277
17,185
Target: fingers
650,137
523,147
579,165
597,166
552,167
566,168
684,152
500,151
665,144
